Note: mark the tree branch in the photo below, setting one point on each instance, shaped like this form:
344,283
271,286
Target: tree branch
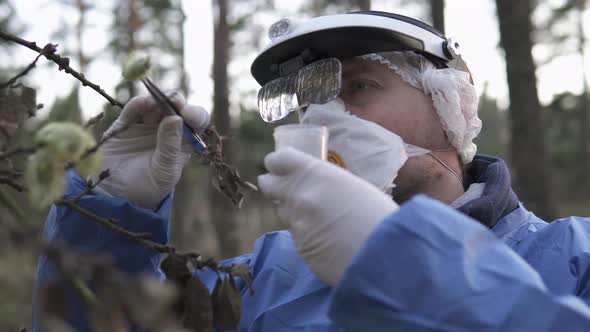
13,152
26,71
142,238
110,223
63,63
18,187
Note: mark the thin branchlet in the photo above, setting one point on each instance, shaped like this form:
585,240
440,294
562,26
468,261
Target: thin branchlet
62,62
22,73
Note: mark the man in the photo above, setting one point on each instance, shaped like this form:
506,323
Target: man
402,124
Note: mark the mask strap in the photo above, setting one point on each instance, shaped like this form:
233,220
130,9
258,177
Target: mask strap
445,165
415,151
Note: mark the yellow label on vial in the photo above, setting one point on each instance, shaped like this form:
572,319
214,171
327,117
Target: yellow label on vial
335,158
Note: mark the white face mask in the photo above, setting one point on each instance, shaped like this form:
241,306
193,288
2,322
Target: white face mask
360,146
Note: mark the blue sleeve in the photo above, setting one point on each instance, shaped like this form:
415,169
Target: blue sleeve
87,237
428,267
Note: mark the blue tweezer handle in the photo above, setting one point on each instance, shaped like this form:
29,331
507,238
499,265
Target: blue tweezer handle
195,141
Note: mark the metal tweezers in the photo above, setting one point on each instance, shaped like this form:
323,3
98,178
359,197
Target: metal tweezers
169,108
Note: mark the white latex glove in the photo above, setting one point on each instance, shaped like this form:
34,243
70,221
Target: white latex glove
146,159
330,211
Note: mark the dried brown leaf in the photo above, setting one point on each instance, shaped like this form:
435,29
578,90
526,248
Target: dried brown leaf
109,318
110,313
198,308
175,268
53,303
160,296
226,178
227,304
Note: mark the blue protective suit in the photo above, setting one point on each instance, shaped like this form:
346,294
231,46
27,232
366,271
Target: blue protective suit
427,267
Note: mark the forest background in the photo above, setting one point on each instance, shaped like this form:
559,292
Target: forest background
533,86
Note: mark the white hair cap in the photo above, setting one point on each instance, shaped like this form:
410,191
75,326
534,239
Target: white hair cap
452,92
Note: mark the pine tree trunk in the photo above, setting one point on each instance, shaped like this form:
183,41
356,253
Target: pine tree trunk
363,4
532,177
437,12
222,212
184,215
82,7
583,118
133,26
182,57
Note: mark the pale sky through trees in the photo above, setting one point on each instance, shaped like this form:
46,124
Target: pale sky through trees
471,23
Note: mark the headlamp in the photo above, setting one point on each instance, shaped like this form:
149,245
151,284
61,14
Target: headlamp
279,29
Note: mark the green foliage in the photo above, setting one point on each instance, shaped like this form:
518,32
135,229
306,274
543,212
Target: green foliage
562,125
151,26
66,109
157,6
494,136
323,7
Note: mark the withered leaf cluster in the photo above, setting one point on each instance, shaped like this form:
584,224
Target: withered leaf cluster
199,310
227,178
115,300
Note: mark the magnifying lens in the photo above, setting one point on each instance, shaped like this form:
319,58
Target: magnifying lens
317,83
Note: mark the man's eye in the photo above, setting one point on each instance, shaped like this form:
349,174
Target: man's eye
359,86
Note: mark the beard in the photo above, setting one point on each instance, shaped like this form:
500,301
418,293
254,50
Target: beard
401,195
413,178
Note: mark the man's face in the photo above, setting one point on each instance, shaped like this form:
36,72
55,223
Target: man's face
372,91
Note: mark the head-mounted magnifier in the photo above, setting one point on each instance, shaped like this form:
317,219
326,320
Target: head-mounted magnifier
300,66
316,83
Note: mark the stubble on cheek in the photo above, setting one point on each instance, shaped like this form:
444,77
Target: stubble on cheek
413,178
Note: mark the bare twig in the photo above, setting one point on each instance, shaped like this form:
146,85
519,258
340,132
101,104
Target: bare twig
11,173
16,151
110,223
93,120
16,186
142,238
63,64
25,71
91,185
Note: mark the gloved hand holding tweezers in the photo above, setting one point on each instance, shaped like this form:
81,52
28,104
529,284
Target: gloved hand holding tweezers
146,157
168,107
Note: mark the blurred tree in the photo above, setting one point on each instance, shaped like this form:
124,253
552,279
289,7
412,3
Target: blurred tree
66,109
562,115
83,8
493,139
125,30
323,7
583,116
363,4
69,108
8,21
563,33
528,154
437,13
156,27
77,31
222,213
